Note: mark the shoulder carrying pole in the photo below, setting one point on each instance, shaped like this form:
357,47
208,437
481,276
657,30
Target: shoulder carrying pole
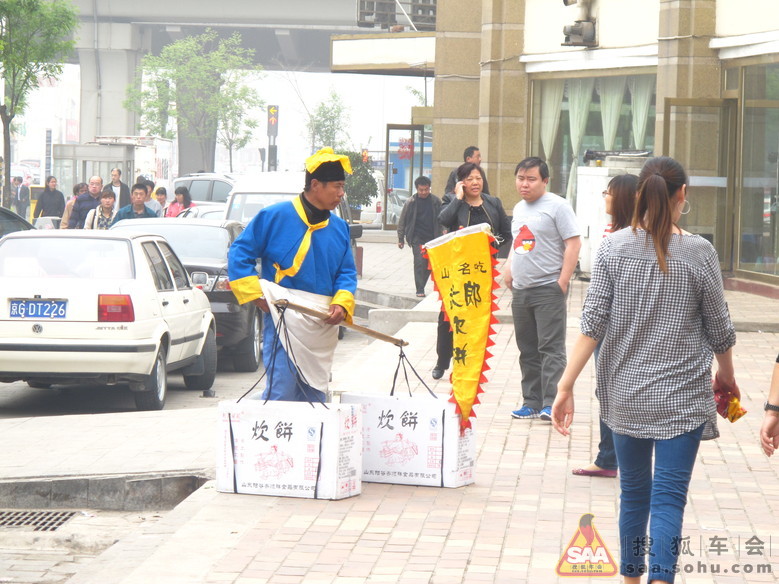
355,327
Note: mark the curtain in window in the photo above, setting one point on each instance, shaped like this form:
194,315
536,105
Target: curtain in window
551,106
612,93
579,100
641,89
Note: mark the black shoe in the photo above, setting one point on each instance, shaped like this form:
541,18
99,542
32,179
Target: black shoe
438,373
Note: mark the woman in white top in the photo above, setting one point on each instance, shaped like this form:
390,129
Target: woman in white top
103,215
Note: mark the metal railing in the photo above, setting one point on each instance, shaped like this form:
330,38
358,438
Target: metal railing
397,15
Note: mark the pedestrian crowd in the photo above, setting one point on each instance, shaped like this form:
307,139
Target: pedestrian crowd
654,316
95,206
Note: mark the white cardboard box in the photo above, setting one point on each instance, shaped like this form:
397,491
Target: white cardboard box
289,449
414,441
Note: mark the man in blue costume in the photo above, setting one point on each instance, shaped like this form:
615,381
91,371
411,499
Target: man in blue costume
302,247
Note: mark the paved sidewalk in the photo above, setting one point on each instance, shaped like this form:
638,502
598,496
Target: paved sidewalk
510,526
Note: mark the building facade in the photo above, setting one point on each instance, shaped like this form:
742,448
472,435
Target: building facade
694,79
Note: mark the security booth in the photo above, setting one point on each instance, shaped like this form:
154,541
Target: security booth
150,156
76,163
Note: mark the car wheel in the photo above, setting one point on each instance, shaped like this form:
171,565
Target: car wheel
38,385
156,386
248,355
205,380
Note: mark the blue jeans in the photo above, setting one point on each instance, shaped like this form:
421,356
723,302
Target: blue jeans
658,500
606,458
282,381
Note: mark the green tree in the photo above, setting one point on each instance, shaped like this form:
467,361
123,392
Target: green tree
326,124
235,128
361,185
186,82
35,40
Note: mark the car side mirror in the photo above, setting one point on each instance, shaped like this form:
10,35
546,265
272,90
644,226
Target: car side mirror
199,279
355,231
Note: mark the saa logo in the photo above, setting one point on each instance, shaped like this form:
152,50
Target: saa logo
586,554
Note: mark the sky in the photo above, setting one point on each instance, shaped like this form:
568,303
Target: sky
373,101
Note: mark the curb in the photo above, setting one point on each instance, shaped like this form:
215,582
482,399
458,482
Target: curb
133,492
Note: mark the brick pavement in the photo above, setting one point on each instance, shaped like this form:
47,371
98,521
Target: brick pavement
510,526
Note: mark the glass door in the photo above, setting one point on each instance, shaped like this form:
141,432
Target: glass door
407,150
759,180
700,134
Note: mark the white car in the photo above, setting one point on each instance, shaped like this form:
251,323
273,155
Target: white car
105,307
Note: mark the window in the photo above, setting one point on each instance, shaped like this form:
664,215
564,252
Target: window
220,190
159,270
199,190
571,116
179,273
60,257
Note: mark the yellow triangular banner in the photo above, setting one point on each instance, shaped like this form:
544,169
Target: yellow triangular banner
463,269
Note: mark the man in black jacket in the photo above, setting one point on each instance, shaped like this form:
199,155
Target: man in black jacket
471,154
85,203
21,196
121,190
417,225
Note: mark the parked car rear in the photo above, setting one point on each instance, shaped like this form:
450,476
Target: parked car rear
202,245
105,307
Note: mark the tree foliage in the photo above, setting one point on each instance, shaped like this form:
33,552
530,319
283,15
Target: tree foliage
235,126
326,124
361,185
35,39
190,82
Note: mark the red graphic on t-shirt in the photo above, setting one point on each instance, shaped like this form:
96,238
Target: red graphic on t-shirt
525,241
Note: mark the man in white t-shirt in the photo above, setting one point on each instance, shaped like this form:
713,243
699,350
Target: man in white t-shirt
542,260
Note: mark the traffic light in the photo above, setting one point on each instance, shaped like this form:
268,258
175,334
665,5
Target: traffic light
364,155
273,120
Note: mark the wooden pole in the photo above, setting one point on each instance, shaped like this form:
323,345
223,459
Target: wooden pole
355,327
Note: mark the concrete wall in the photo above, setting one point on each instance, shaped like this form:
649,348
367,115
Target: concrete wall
620,23
736,17
456,110
105,75
239,12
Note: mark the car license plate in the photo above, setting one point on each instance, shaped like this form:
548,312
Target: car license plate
38,308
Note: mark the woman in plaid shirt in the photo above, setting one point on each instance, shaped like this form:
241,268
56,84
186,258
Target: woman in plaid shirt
656,299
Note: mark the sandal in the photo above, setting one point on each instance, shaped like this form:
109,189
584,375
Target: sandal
601,472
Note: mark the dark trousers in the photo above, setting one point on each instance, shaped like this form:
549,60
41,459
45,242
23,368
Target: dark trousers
607,457
539,327
444,343
21,209
421,269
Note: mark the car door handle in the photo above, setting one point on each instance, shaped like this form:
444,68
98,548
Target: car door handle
186,300
165,302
